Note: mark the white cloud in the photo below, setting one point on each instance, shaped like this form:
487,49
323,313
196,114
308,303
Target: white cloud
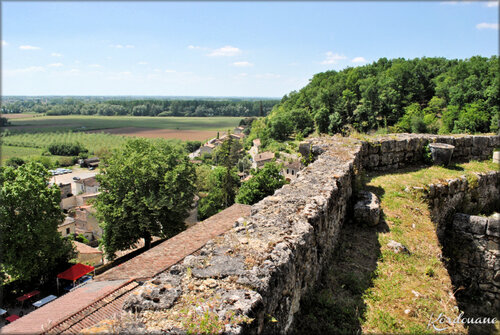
95,65
492,4
55,54
227,51
129,46
242,64
4,43
29,47
332,58
485,25
142,63
193,47
243,74
125,73
170,71
358,60
74,71
55,65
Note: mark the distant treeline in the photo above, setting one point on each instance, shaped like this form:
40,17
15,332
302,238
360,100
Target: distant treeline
139,107
433,95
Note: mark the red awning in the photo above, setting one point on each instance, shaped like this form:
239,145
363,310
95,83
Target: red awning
28,295
75,272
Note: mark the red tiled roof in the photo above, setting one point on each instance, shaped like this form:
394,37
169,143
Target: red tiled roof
173,250
82,248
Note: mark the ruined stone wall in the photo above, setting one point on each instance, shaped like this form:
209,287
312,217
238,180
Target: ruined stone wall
401,150
473,248
270,260
477,194
471,244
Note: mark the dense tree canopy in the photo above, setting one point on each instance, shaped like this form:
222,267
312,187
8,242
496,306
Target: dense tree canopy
263,183
138,107
147,190
30,245
418,95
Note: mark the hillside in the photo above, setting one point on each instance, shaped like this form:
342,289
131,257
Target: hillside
433,95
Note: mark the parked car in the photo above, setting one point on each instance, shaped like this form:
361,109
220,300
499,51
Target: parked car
91,168
76,178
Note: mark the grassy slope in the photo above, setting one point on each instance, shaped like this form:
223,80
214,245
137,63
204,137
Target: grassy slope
368,288
76,122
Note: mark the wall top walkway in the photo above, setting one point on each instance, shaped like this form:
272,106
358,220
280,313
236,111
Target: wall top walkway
173,250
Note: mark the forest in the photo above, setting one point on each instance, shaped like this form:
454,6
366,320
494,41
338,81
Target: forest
111,106
424,95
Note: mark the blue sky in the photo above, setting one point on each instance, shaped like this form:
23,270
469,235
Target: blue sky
223,48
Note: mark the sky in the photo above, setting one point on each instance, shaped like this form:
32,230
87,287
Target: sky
241,49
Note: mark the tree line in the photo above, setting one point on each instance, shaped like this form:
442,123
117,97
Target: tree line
433,95
139,107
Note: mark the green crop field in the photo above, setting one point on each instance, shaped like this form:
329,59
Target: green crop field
30,137
82,122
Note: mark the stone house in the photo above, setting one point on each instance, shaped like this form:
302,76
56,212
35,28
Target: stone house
290,170
87,185
68,227
260,159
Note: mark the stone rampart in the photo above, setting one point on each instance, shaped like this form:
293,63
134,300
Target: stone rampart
471,244
401,150
264,266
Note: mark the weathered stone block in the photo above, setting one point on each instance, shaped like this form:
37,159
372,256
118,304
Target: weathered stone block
367,209
493,225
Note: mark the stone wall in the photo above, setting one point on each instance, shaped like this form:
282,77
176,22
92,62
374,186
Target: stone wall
478,194
473,248
269,261
471,244
397,151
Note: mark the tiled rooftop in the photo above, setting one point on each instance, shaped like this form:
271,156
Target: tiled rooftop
57,311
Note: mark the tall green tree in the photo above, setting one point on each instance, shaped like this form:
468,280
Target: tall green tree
263,183
147,190
30,245
222,185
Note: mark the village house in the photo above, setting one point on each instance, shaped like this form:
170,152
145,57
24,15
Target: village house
261,159
86,222
207,148
68,227
65,190
290,170
238,130
87,254
87,185
254,150
90,162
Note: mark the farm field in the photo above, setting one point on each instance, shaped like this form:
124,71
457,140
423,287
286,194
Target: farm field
28,137
91,122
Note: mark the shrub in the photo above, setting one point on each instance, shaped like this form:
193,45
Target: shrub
15,162
66,149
